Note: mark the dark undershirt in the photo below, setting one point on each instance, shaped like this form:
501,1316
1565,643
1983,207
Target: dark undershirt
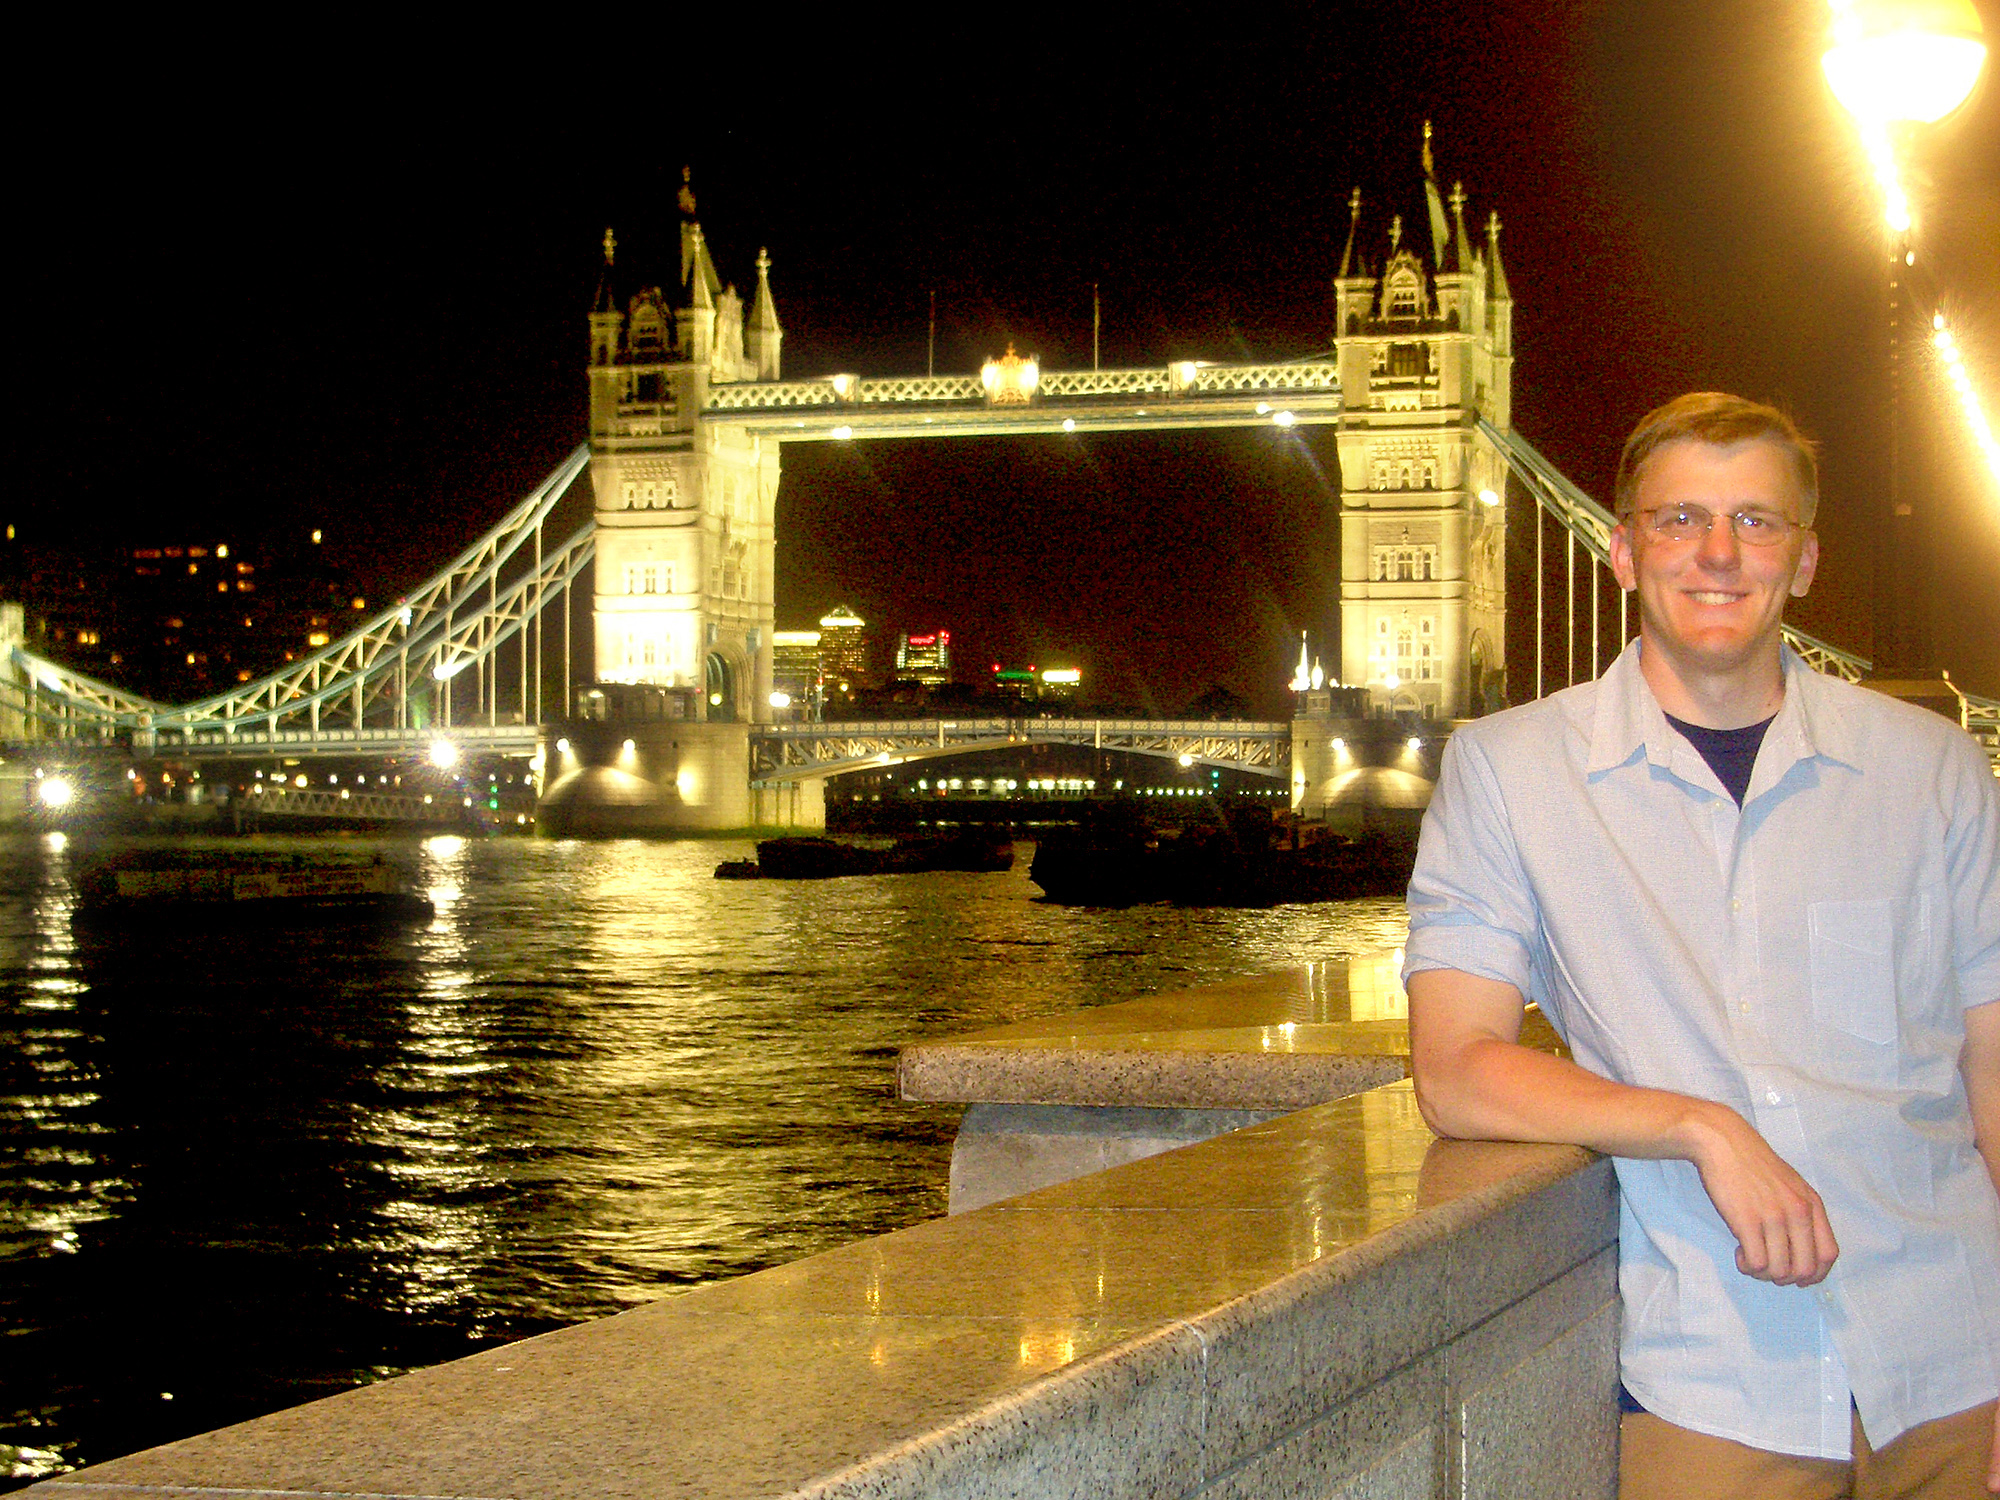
1730,753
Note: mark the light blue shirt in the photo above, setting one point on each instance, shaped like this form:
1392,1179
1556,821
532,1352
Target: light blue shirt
1806,960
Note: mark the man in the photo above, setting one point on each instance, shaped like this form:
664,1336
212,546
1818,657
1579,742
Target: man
1762,906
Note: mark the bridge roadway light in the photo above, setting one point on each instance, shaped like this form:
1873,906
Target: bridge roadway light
443,753
1284,419
55,792
1488,497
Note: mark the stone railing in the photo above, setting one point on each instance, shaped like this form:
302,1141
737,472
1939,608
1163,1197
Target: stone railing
1305,377
1329,1302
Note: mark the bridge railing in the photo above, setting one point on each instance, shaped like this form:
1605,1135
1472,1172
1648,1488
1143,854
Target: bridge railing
780,752
395,672
1181,379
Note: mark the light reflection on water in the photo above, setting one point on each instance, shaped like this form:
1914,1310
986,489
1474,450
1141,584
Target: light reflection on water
254,1169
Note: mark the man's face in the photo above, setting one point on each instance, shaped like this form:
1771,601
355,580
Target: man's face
1713,604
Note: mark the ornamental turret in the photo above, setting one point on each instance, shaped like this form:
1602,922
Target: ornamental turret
1424,346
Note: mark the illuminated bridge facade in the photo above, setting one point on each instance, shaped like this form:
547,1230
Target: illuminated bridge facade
689,414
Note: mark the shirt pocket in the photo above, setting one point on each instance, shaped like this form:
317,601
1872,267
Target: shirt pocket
1854,967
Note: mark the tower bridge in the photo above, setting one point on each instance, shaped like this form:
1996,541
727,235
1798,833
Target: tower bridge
689,416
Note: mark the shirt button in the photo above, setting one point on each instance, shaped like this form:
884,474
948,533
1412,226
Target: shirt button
1743,1007
1736,905
1772,1096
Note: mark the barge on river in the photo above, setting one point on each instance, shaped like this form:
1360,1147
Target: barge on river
194,886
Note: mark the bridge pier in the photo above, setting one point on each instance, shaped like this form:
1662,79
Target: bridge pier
790,804
624,778
1359,774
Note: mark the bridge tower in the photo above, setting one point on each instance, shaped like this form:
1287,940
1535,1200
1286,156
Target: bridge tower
684,511
1425,345
684,595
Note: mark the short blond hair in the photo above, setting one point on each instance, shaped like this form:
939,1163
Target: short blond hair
1718,418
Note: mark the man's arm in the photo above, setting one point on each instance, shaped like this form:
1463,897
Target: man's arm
1980,1065
1475,1080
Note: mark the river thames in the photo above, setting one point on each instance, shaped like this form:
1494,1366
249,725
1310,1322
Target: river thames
240,1172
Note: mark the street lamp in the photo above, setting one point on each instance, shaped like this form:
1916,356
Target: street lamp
1911,61
1896,65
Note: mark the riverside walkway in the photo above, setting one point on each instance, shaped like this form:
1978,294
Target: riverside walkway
1327,1300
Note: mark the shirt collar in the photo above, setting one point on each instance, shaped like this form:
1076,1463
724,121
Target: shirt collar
1629,719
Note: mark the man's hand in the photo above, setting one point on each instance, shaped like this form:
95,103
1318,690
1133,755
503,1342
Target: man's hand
1475,1080
1780,1224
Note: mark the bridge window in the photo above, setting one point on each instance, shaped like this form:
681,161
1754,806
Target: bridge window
1406,564
648,329
649,578
1409,359
648,494
1404,299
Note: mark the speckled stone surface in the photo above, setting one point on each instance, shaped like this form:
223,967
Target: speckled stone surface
1272,1311
1273,1042
1004,1150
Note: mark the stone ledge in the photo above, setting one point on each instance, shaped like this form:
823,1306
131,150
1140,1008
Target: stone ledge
1147,1330
1280,1041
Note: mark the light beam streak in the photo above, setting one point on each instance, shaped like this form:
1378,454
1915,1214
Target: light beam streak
1961,381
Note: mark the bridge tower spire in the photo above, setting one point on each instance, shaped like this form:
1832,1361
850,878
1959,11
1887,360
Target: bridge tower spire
685,518
1425,350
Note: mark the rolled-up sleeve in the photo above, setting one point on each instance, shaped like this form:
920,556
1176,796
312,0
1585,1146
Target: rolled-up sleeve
1972,863
1471,907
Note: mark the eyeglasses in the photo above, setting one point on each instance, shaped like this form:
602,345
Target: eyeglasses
1690,523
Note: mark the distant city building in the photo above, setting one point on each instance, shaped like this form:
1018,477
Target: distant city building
1012,684
846,653
1060,685
1032,684
925,658
795,674
179,621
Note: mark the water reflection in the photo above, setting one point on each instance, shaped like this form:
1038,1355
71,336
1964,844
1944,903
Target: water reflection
255,1168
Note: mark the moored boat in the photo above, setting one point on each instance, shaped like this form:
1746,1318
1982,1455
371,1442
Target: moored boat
198,886
1240,863
811,858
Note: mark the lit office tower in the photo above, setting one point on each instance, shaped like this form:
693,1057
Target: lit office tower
795,669
844,651
925,658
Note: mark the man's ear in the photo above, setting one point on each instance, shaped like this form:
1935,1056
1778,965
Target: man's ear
1621,558
1808,565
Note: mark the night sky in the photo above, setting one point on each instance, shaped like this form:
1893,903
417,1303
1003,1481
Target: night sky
272,298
